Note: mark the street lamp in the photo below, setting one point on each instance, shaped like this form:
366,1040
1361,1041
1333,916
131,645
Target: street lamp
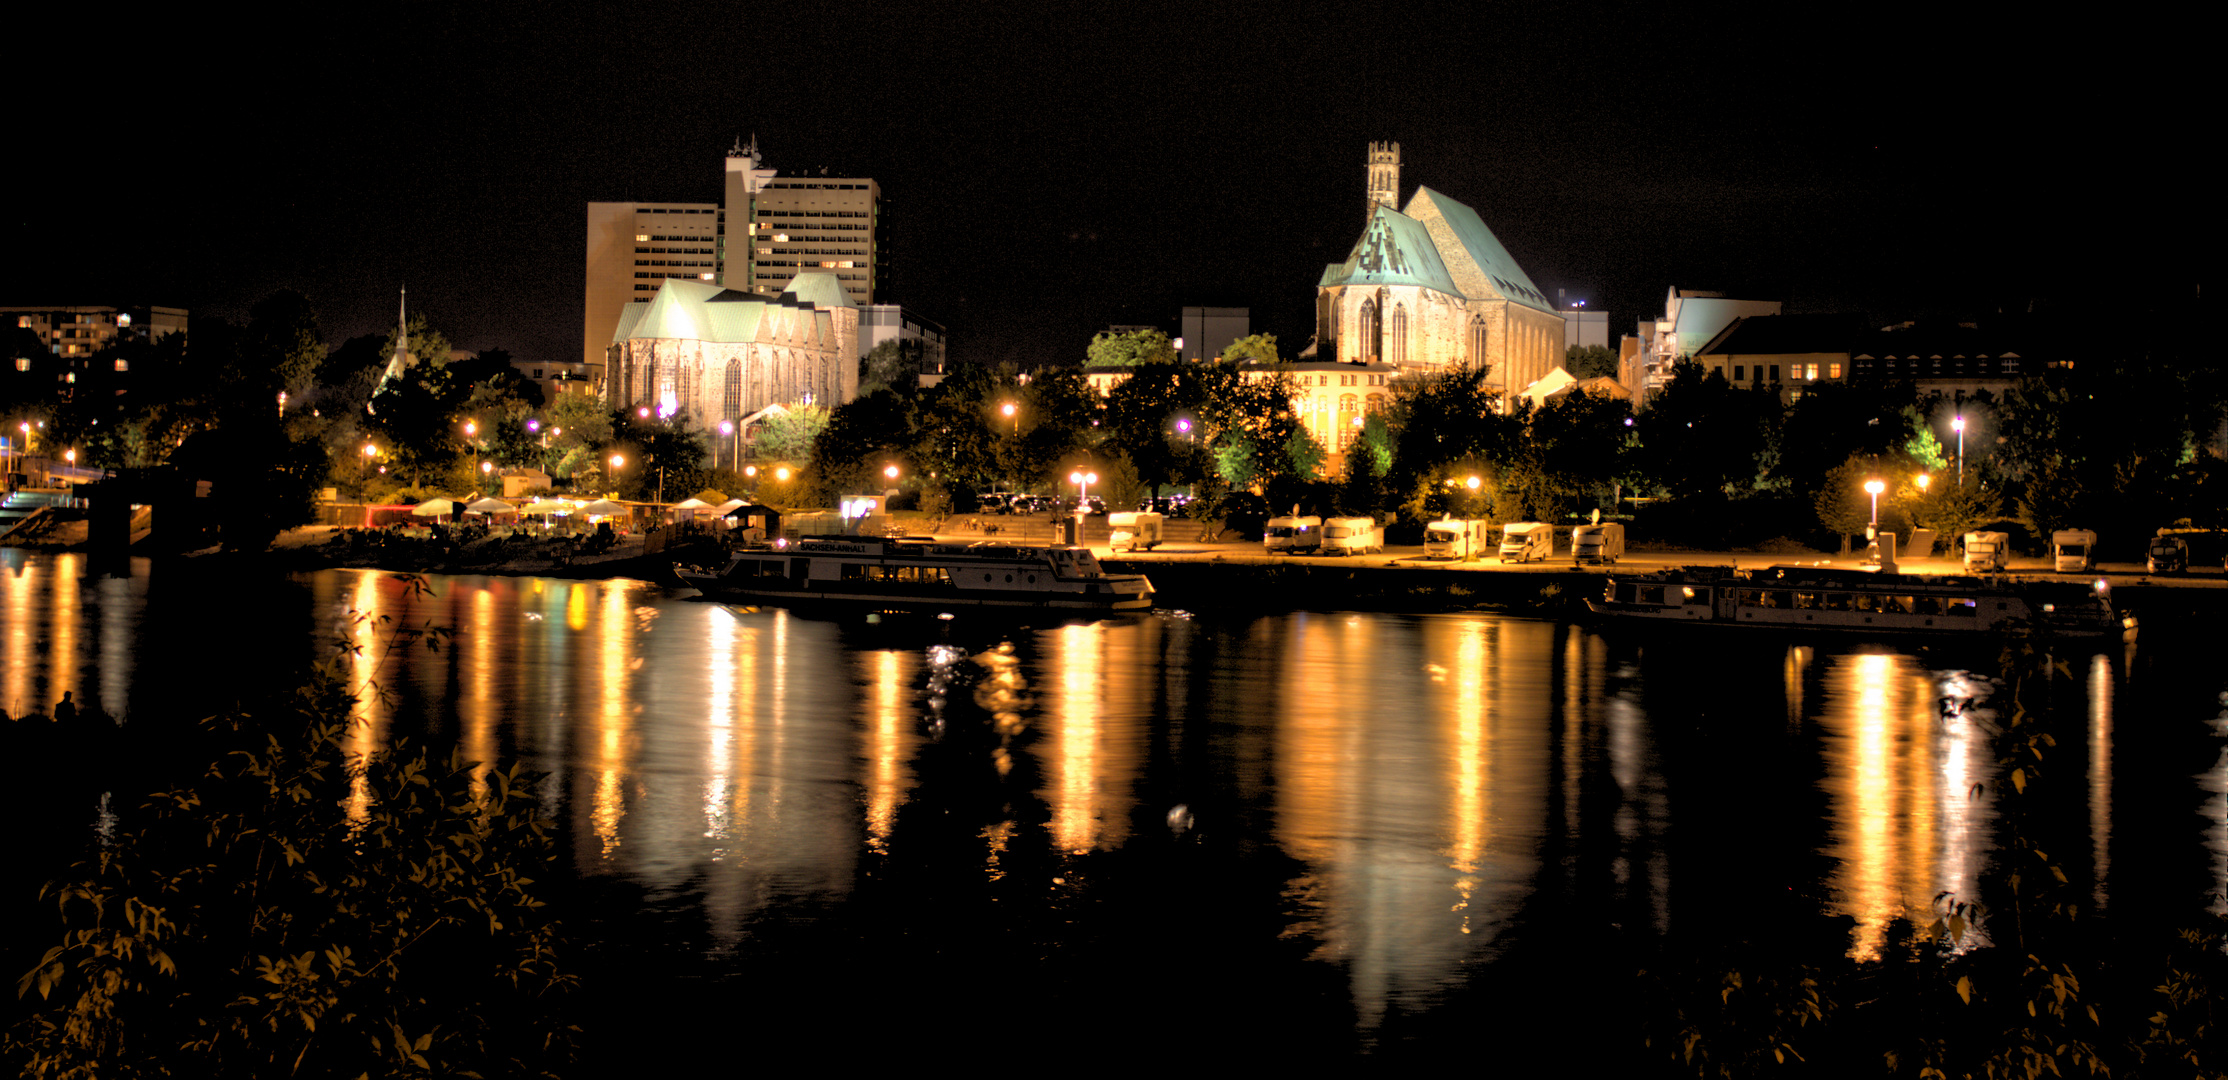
891,473
1924,481
1011,413
1875,487
1082,481
727,429
616,461
1958,425
750,473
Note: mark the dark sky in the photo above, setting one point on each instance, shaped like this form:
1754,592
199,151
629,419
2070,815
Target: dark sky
1050,169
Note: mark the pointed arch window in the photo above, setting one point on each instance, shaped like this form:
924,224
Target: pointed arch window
1399,334
1477,341
731,401
1367,331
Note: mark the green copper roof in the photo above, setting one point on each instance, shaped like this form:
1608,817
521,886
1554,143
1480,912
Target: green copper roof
1478,247
1395,249
820,289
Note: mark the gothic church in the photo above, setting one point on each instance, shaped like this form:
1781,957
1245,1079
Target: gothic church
1430,288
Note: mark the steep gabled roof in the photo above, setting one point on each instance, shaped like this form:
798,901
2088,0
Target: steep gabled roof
1395,249
1786,335
1473,255
700,311
820,289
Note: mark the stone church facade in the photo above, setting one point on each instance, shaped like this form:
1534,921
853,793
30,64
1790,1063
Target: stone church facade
710,354
1430,288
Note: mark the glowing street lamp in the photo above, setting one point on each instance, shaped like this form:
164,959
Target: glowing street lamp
726,430
1012,413
1082,481
1924,481
891,472
782,474
1875,487
1958,425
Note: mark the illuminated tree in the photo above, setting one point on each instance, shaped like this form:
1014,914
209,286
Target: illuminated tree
1130,348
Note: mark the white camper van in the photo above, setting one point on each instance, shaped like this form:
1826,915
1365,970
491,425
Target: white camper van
1600,544
1292,535
1351,536
1450,538
1135,531
2073,551
1524,541
1987,551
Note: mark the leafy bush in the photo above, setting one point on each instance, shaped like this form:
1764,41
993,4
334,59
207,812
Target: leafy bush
304,907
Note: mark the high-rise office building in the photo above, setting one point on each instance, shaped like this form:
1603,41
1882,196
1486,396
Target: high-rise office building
766,231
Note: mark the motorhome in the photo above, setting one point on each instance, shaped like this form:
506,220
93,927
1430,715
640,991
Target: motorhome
1351,536
1292,535
1139,531
1451,538
1524,541
1986,552
2073,551
1600,544
2169,554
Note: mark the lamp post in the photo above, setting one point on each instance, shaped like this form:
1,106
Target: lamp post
617,460
1958,425
1082,481
750,474
1874,488
727,431
891,473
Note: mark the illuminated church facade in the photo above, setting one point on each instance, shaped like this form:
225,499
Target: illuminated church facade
1430,288
711,353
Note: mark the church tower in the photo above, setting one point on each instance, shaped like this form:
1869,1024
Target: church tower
1384,176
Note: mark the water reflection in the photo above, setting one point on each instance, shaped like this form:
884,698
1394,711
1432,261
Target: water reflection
1905,825
1434,788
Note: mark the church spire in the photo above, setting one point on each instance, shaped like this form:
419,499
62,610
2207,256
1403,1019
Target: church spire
400,361
1384,176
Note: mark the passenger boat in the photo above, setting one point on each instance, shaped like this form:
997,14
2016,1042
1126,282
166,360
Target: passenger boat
919,574
1818,598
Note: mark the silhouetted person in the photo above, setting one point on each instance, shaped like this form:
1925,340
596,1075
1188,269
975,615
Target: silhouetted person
65,710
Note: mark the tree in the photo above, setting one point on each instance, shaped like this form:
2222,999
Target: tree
1700,437
959,426
1443,424
788,435
1259,349
1130,349
1148,420
297,907
1590,362
890,366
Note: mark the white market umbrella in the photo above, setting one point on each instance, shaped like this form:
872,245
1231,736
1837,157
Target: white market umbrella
491,505
606,508
434,508
547,506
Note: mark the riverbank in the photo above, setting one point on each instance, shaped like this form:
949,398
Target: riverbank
1197,575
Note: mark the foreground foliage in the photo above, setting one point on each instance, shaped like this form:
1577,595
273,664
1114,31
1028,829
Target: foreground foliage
2024,982
305,908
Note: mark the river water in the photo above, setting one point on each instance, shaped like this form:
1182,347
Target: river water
1316,831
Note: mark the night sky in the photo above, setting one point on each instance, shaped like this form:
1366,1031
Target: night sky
1050,170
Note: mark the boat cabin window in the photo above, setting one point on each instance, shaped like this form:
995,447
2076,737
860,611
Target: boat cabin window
1809,601
1648,594
1961,606
1692,595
